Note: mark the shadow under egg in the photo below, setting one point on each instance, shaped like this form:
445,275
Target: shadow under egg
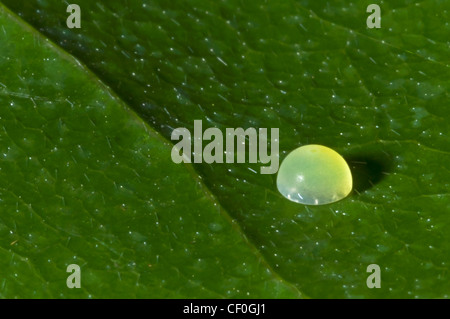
368,169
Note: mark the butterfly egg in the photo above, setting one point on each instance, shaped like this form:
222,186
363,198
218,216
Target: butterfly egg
314,175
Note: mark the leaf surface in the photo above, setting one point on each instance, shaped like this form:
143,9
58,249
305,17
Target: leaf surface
312,69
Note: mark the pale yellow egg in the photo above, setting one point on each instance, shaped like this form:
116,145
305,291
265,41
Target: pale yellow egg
314,175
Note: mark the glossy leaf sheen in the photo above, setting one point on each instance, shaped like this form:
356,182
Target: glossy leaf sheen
85,177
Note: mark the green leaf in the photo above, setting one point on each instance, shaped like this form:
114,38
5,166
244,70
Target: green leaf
85,181
311,68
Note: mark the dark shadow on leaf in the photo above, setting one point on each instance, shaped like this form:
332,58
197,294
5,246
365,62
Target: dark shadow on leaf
368,169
